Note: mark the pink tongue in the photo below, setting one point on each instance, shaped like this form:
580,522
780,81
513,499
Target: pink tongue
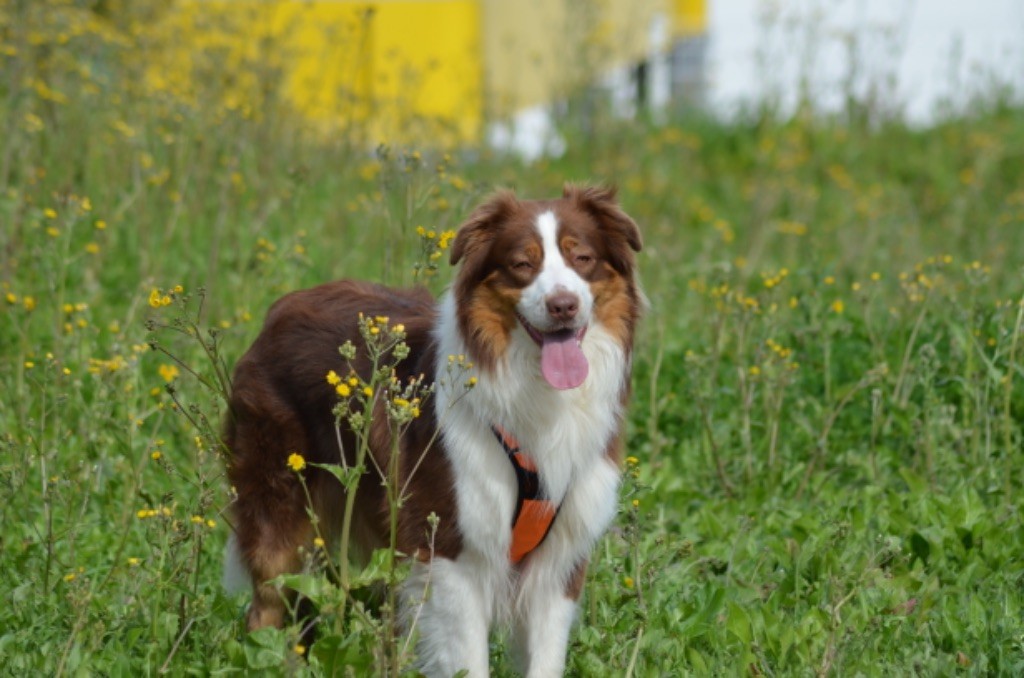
562,361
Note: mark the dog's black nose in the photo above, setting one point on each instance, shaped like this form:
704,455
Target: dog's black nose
563,305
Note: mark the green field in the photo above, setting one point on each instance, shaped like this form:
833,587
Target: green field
828,389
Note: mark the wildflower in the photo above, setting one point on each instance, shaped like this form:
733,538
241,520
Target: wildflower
838,306
876,276
100,225
627,582
352,381
299,649
197,520
333,379
168,372
368,391
29,364
70,576
318,543
154,298
636,503
829,280
133,561
155,455
632,461
754,370
11,298
52,231
343,390
50,213
211,523
92,248
471,382
296,461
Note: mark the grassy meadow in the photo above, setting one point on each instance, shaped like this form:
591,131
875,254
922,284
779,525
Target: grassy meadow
825,437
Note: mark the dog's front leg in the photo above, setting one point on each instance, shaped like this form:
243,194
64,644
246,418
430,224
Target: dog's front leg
451,610
545,616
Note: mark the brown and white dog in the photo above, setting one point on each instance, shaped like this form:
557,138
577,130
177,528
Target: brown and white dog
525,472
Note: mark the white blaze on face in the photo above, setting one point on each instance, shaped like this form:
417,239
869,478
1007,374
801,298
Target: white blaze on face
562,361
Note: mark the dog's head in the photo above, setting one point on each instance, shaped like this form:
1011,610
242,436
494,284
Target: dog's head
546,272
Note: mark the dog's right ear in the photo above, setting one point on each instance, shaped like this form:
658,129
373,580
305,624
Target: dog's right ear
478,230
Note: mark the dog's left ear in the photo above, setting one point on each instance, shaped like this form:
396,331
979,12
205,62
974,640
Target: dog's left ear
600,203
478,230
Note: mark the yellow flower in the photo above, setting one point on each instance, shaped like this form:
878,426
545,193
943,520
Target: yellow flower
178,289
154,298
627,582
632,461
155,454
838,306
50,213
299,649
343,390
829,280
754,370
100,225
69,577
134,561
368,392
211,523
471,382
333,379
636,503
296,461
168,372
876,276
352,381
29,364
92,248
318,542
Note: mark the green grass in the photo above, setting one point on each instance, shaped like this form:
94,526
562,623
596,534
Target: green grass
827,392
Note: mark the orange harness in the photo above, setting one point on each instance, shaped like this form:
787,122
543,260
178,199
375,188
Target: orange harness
535,513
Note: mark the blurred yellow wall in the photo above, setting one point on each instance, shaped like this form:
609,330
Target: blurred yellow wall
398,69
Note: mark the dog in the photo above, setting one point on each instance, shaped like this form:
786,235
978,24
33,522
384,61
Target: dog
524,469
